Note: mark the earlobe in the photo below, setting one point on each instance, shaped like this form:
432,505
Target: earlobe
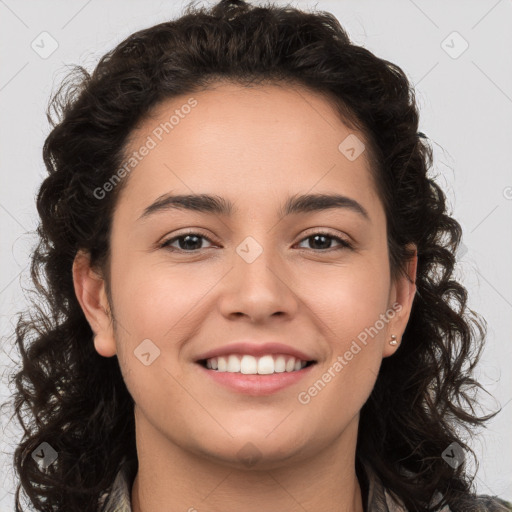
404,293
90,292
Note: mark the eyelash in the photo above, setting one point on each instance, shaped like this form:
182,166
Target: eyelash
343,243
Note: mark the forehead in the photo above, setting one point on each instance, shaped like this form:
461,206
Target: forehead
246,142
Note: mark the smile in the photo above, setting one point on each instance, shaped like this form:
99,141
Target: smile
247,374
251,365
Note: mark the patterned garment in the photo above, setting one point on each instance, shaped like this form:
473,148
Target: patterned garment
379,499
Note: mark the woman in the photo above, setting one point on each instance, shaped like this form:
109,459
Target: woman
310,350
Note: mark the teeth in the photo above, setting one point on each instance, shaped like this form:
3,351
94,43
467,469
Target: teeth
233,364
280,364
250,365
266,365
222,365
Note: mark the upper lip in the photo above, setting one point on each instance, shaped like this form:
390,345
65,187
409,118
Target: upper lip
255,349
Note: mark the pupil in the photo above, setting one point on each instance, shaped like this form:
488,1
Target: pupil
316,237
186,242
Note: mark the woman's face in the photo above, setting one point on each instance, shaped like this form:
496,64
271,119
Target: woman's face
250,274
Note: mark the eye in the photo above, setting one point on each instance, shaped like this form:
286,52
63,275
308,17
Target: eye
323,240
191,242
188,242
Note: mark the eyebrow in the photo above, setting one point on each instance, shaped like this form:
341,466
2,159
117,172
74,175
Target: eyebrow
217,205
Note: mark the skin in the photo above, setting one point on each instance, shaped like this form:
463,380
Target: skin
255,147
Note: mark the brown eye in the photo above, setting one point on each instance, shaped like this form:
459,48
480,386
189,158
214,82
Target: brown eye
322,241
188,242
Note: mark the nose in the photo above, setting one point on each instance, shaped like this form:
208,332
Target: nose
258,288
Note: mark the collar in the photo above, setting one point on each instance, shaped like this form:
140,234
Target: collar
118,499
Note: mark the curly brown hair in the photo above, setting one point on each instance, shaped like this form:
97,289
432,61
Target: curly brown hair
76,400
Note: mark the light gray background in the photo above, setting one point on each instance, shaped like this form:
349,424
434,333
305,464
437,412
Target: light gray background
466,107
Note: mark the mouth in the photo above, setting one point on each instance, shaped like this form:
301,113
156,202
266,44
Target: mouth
269,364
245,377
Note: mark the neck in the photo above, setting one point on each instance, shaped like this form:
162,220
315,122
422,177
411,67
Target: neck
177,480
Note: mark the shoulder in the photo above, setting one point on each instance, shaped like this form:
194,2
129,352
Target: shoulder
486,503
470,503
380,499
118,497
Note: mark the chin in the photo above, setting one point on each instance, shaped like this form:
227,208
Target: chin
255,452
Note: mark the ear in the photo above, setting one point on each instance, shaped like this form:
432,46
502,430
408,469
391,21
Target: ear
91,294
403,291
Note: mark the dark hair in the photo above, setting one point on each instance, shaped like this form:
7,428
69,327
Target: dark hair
77,401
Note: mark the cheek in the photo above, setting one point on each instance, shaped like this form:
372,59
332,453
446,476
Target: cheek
164,304
348,307
151,299
159,303
349,317
347,298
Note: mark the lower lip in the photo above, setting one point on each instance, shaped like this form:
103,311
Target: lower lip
257,385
